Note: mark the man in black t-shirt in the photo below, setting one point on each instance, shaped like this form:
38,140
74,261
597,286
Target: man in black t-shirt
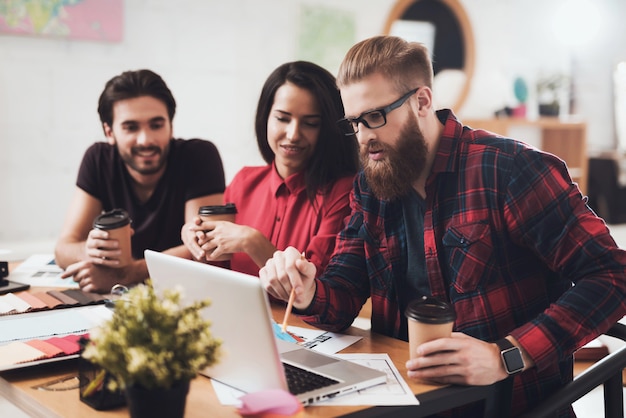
160,181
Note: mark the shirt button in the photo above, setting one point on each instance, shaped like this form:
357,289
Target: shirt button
278,219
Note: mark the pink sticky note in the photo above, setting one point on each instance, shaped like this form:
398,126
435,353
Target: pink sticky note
270,402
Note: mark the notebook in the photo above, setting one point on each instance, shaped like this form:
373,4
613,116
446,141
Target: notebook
252,359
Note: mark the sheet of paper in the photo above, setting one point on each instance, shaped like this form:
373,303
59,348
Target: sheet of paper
321,341
227,395
394,391
40,270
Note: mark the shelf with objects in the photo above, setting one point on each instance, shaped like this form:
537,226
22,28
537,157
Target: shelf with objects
564,137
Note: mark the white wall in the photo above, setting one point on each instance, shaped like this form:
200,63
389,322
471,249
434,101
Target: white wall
215,55
516,37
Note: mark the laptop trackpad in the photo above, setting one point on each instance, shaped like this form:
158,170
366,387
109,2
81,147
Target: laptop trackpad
307,358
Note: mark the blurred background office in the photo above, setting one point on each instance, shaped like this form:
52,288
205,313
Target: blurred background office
215,55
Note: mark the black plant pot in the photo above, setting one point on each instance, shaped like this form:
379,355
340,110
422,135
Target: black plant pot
549,109
170,403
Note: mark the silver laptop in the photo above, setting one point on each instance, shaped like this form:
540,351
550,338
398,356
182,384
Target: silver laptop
252,359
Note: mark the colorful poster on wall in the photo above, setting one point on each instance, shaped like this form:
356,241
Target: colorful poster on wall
97,20
325,36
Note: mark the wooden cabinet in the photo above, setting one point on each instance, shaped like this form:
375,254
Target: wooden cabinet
567,139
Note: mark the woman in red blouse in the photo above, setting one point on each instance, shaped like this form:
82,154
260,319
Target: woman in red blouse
301,197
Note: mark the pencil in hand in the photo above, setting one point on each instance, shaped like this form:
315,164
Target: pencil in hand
292,296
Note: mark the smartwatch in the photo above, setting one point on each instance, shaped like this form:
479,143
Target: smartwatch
511,357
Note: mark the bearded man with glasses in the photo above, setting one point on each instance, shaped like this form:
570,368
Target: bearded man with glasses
490,225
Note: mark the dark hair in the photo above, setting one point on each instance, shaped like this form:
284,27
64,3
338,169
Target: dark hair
335,154
131,84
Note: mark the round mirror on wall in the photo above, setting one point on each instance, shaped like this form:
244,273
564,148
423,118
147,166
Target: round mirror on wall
443,26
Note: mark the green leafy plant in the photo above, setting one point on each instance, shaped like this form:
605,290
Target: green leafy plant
548,87
153,341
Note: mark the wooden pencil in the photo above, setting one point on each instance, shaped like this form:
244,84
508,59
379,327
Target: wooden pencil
292,296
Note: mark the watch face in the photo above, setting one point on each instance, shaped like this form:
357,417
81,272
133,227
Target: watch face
513,360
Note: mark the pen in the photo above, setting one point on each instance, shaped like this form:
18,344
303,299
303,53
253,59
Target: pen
94,384
292,296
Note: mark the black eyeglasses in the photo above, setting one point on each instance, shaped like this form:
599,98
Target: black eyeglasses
372,118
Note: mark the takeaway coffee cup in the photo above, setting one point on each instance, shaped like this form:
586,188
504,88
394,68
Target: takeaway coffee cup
428,319
225,212
117,224
218,213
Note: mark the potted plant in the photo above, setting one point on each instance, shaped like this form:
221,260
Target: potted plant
549,89
152,347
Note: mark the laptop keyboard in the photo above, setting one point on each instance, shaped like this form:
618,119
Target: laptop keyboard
300,380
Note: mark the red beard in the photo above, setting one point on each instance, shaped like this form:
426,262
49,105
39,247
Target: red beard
394,175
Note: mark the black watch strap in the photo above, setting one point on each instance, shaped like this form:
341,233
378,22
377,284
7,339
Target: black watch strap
511,357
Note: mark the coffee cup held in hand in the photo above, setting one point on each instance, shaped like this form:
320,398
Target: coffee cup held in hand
428,319
117,224
225,212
